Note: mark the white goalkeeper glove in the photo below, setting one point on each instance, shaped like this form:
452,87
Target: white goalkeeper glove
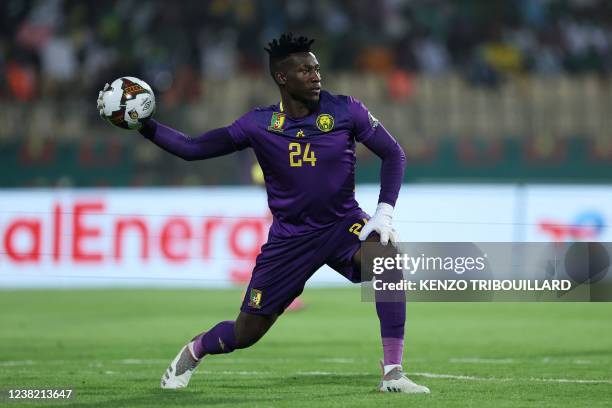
101,101
381,223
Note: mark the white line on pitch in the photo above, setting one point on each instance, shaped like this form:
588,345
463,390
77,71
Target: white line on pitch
257,373
544,360
478,360
419,374
337,360
323,373
472,378
15,363
570,380
460,377
135,361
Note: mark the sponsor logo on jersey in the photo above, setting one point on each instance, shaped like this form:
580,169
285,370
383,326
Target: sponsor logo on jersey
277,121
300,133
255,299
325,122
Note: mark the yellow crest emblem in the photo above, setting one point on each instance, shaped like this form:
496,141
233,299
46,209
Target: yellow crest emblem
325,122
277,121
255,299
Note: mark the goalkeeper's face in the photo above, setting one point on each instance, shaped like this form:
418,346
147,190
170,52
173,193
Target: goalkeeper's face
303,78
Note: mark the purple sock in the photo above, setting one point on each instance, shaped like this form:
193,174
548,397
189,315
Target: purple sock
391,310
218,340
393,349
392,316
198,348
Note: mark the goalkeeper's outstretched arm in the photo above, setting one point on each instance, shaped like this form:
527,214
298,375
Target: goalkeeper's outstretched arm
214,143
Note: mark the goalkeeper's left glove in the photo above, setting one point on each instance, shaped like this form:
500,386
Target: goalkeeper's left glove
381,223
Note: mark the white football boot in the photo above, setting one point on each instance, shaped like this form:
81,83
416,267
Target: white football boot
396,381
179,372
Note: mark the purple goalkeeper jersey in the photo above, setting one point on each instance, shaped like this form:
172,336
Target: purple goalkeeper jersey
308,163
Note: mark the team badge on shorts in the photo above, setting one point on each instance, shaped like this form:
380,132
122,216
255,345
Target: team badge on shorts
255,299
325,122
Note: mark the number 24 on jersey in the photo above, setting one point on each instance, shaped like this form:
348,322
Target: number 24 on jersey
297,158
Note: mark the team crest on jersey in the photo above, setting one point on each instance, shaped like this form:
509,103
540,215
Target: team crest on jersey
325,122
255,299
277,122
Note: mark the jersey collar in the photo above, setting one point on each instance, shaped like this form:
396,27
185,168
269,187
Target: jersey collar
281,108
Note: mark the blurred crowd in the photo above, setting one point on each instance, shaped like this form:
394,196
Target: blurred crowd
508,84
59,48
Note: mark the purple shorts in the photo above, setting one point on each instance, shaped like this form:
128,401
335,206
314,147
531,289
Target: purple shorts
285,264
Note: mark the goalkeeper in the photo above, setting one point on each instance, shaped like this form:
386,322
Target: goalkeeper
305,145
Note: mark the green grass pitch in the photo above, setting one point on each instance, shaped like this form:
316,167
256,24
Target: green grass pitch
111,347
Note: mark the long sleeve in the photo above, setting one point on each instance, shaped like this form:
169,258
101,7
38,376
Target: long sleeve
369,131
214,143
393,163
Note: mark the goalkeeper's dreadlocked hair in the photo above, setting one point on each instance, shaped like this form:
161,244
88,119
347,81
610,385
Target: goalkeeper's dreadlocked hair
281,48
286,44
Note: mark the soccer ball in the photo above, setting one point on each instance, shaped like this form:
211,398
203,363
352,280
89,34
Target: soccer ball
127,102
